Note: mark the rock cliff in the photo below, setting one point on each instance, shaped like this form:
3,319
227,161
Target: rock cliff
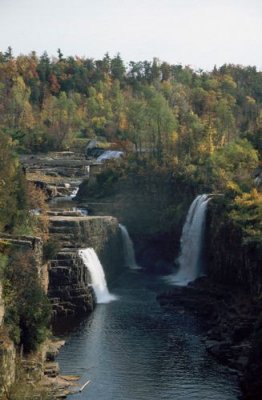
2,308
230,259
151,205
24,243
7,362
10,244
234,261
69,280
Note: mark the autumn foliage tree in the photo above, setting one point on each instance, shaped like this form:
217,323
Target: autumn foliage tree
168,113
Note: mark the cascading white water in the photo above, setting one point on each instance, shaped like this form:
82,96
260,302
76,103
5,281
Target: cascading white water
129,253
65,198
190,266
110,154
74,192
97,274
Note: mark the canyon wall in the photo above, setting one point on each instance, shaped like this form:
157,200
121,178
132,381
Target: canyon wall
11,245
235,261
152,206
69,281
231,259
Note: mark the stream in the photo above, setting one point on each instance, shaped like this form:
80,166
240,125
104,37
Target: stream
131,349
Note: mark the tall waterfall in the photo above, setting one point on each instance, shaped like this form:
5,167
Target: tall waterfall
129,253
97,274
190,263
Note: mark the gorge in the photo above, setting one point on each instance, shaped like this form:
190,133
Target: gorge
130,230
147,321
132,349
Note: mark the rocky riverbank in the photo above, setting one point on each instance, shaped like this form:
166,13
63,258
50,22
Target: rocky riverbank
37,375
230,320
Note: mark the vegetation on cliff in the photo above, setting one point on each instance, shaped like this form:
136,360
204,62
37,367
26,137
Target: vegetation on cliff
19,199
27,308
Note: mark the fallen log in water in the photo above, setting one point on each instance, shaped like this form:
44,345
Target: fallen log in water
82,388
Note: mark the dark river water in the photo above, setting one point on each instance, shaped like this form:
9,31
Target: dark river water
131,349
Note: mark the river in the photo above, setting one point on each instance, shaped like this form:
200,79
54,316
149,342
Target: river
131,349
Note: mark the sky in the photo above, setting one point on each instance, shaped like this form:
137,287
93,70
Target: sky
199,33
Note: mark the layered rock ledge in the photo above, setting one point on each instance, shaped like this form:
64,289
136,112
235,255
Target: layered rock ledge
70,287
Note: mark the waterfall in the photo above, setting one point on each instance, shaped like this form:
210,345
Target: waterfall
110,154
97,274
190,263
129,254
74,192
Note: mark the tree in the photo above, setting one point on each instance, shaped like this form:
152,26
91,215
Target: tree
233,163
58,116
137,123
27,306
117,68
161,123
12,185
60,55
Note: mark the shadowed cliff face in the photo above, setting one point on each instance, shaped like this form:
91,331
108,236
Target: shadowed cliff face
230,259
152,207
236,263
253,378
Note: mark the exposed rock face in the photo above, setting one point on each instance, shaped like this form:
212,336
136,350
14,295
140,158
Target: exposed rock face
69,280
7,363
55,173
230,259
252,383
24,243
131,199
101,233
2,308
229,318
152,206
69,285
12,243
230,299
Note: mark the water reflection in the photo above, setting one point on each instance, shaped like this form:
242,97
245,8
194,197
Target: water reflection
132,350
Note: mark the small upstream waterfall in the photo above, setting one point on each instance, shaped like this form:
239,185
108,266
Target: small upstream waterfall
190,265
109,154
66,198
97,274
129,253
74,192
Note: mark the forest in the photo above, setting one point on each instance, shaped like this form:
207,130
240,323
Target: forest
203,127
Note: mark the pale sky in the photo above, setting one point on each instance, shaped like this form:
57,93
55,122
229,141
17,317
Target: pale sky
200,33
